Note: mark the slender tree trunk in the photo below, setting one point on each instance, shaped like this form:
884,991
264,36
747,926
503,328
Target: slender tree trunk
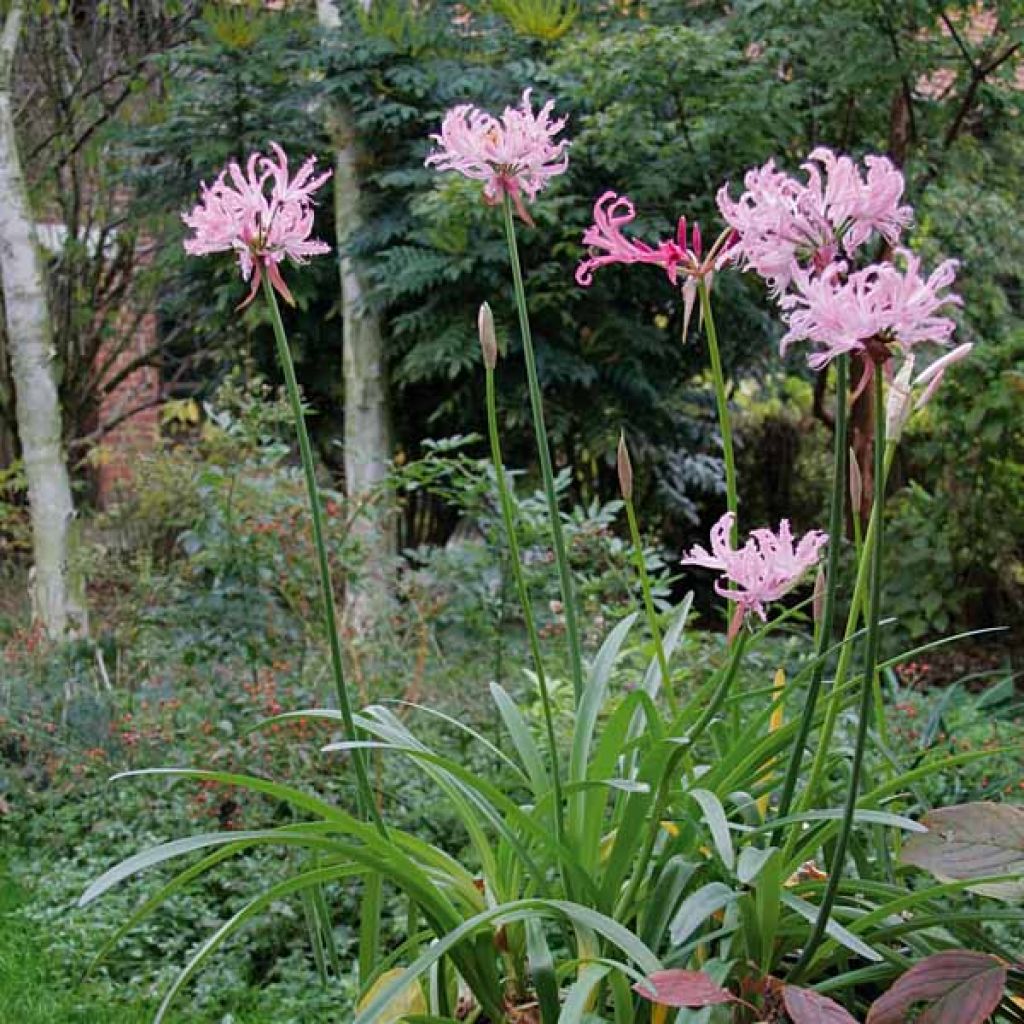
367,424
56,602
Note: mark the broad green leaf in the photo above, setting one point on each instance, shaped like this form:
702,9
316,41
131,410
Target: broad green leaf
522,740
809,912
957,986
586,722
289,887
520,910
656,912
718,824
541,966
581,993
751,860
289,835
698,907
970,841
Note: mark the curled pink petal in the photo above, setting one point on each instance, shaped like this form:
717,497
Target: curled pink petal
607,244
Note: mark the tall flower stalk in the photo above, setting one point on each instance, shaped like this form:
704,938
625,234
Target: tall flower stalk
722,402
543,451
265,217
874,553
625,469
515,156
490,353
837,503
364,792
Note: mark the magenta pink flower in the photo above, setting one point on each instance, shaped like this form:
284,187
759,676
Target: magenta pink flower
766,568
515,155
263,227
869,310
607,244
784,225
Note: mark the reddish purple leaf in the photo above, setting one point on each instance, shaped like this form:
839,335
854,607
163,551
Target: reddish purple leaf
954,987
691,989
969,841
807,1007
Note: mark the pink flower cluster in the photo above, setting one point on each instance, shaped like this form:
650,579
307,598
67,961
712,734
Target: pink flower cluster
264,226
802,238
515,155
784,225
766,568
839,312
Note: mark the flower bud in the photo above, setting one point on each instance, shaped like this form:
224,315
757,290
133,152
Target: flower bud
898,404
689,298
625,468
818,601
856,483
698,242
488,339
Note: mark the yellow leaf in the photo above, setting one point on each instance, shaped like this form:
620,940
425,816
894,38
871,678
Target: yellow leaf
409,1000
778,686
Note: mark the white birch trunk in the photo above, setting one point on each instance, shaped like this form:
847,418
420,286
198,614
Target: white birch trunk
55,601
367,442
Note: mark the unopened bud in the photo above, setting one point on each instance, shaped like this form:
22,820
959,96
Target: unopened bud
932,377
818,601
689,298
625,468
898,403
856,483
488,339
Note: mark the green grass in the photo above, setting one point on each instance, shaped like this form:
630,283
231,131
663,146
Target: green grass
35,987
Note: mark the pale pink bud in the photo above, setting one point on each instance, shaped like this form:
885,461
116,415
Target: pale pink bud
488,339
898,404
625,468
932,377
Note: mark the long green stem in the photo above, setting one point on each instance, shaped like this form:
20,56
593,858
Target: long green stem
683,748
846,651
835,533
650,610
364,794
544,453
508,515
866,690
721,400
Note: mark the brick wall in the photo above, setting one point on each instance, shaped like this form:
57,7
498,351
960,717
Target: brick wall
139,432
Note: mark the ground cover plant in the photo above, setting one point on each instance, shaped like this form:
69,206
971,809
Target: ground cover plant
683,845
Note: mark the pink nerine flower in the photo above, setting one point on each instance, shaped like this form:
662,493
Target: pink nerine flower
767,567
514,155
607,244
869,310
263,226
784,225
